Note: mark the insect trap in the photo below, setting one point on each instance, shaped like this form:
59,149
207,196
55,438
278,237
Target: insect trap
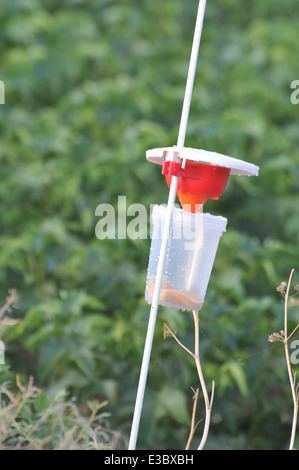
193,236
184,239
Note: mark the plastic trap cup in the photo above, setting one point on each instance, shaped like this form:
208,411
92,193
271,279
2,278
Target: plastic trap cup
192,247
194,236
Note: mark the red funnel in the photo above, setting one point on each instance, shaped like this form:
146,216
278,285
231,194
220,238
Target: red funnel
197,182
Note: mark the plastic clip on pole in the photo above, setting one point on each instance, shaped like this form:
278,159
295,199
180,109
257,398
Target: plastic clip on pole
166,231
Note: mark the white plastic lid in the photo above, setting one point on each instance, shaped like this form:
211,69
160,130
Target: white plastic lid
181,217
237,167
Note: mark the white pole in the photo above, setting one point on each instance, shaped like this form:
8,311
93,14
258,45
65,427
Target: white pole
166,230
191,72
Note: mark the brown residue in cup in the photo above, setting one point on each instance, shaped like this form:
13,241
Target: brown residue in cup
170,295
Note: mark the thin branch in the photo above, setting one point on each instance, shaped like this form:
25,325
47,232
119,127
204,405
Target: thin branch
286,304
11,301
292,375
167,331
296,328
193,426
208,401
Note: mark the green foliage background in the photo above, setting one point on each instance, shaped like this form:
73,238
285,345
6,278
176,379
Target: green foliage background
90,86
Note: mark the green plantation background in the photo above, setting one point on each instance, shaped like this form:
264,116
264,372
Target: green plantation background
90,85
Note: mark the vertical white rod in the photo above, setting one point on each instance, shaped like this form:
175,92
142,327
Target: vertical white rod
166,230
152,317
191,72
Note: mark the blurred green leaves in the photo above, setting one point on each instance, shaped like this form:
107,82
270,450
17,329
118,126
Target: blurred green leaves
232,373
173,403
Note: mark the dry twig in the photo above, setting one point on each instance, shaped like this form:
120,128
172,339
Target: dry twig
284,338
208,401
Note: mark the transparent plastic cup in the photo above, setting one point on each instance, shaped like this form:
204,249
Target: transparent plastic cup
192,247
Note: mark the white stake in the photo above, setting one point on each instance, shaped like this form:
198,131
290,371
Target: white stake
165,236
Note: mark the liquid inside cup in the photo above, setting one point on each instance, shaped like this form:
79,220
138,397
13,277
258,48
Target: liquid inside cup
170,295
